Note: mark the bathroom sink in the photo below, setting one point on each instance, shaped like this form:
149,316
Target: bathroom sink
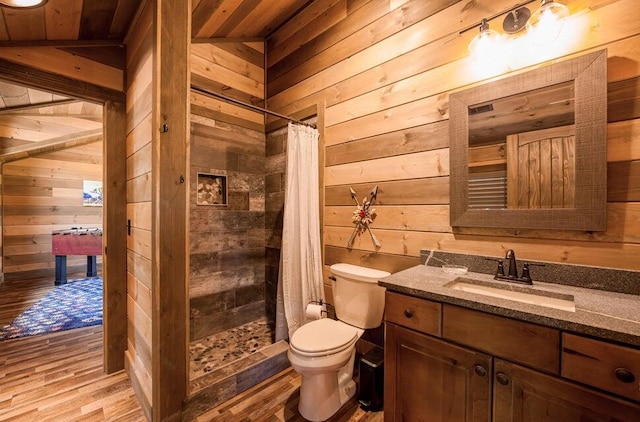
516,293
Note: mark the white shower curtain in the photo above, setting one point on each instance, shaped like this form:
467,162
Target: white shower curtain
300,275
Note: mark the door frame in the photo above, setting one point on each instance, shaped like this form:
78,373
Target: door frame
114,192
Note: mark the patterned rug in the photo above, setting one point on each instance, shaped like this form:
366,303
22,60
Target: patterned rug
73,305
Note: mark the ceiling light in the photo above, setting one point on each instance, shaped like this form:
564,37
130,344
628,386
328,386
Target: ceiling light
22,4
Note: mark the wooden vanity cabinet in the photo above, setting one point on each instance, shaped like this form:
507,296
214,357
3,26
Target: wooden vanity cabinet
473,366
524,395
432,380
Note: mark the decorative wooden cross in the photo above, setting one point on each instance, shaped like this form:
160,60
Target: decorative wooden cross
363,216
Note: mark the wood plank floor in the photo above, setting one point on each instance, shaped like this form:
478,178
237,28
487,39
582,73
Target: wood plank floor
59,378
276,400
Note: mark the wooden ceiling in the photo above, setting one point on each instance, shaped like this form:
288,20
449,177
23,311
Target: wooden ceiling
90,20
33,121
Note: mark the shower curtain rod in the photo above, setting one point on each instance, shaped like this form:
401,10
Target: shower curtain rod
247,105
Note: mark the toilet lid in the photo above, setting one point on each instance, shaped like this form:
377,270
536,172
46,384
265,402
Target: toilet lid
322,336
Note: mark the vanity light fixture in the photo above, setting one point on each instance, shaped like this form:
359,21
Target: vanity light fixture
546,23
542,27
22,4
516,20
486,43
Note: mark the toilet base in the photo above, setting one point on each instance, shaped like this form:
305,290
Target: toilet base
323,394
321,397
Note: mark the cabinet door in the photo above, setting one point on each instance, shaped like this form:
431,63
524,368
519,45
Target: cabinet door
427,379
523,395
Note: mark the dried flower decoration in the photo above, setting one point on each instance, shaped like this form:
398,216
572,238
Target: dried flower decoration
363,216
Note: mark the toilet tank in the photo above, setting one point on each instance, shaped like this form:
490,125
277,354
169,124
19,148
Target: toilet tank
357,298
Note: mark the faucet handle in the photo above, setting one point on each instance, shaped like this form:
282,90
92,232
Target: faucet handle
500,269
525,271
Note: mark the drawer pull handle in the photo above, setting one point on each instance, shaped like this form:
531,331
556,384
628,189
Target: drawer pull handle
624,375
502,379
408,313
481,371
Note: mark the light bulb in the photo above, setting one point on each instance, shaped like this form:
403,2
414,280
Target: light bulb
487,48
546,23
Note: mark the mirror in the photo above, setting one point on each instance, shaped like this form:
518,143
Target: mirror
529,151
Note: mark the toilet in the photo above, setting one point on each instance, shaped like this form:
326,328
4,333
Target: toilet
323,351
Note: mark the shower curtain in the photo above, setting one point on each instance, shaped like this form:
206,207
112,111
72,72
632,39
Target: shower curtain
300,275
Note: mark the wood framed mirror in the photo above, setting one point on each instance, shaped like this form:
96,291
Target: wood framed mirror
530,151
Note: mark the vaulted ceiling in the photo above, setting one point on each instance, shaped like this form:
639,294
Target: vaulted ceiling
45,118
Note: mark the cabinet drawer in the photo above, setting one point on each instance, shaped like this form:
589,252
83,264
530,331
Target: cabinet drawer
518,341
411,312
602,365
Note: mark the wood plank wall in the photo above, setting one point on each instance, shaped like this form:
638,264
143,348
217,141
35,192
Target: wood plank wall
140,92
385,68
227,242
41,194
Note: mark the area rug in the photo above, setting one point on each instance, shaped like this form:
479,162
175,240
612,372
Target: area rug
73,305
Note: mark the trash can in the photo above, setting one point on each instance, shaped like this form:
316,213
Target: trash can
372,380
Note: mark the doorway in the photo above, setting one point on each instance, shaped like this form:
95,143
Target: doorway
50,144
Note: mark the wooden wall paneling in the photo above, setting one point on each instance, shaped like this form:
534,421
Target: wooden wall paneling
415,113
171,189
307,26
380,69
388,24
433,190
40,195
623,141
403,82
237,114
432,218
382,261
415,139
422,164
206,67
114,267
140,46
385,62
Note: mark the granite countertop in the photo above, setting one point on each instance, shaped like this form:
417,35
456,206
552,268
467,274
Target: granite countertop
598,313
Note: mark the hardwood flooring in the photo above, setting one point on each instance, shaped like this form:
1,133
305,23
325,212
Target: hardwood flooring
276,400
59,378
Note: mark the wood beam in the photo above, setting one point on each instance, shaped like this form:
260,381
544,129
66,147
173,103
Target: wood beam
114,257
218,40
40,79
20,108
53,144
61,43
170,295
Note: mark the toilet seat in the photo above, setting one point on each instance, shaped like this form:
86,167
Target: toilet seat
323,337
